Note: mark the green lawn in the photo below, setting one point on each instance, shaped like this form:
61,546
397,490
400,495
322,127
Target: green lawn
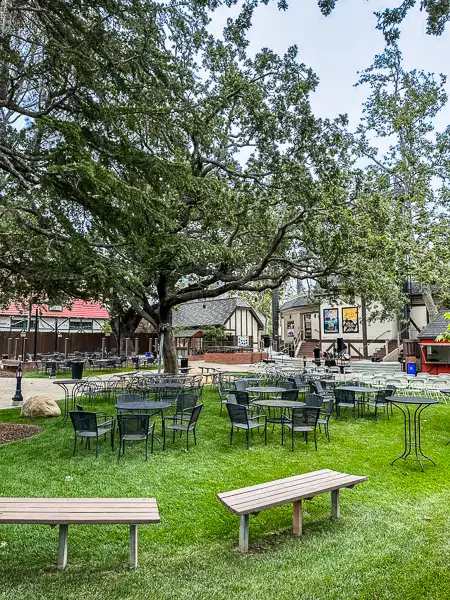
391,542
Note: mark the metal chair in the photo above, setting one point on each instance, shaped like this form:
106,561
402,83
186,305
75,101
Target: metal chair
304,420
240,418
324,417
380,400
124,398
86,426
241,384
186,422
345,399
185,402
314,400
135,428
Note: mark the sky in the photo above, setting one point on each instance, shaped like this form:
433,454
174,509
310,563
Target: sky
338,46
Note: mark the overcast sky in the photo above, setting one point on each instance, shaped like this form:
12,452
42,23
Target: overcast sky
338,46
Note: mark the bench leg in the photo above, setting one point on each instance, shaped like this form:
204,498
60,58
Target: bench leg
62,550
243,533
297,520
335,505
133,546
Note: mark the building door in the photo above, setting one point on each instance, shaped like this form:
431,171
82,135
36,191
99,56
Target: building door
307,326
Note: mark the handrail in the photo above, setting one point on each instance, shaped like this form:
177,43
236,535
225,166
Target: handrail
373,341
397,338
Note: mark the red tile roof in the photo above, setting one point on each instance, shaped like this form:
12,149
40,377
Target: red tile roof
80,310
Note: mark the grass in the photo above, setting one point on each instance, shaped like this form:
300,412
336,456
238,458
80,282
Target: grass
390,543
86,372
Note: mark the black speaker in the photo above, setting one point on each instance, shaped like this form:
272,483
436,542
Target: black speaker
340,345
266,340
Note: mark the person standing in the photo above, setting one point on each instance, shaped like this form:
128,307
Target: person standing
317,355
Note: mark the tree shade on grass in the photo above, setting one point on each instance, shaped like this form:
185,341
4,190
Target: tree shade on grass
390,543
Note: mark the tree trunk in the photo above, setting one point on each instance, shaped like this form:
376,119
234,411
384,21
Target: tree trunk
170,357
429,302
124,325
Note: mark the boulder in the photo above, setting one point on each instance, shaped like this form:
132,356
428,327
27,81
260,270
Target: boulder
38,407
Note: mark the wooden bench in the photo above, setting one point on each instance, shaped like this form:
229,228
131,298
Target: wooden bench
291,490
81,511
10,364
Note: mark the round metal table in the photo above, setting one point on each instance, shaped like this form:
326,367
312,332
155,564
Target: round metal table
265,390
283,404
144,406
412,436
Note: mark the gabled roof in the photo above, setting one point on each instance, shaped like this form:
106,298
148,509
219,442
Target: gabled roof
435,327
203,313
187,333
299,301
80,310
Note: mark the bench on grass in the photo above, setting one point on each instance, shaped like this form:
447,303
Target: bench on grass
81,511
291,490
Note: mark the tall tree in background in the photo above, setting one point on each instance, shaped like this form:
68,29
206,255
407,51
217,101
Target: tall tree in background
415,171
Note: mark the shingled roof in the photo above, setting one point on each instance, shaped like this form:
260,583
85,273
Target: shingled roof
435,327
299,301
204,313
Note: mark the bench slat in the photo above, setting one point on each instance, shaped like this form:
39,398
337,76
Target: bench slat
301,477
255,500
279,486
318,484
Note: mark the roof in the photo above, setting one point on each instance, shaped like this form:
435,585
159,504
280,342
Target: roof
80,310
298,302
435,327
187,333
204,313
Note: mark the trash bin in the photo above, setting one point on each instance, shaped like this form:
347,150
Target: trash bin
411,368
135,360
77,369
184,364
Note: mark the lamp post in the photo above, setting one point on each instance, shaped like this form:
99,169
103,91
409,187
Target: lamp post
18,398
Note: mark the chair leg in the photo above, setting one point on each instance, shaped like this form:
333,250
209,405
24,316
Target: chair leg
164,436
265,434
195,435
74,445
112,439
187,440
146,448
292,438
248,439
96,446
315,438
231,434
327,431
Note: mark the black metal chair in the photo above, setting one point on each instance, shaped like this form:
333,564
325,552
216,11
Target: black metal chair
241,419
86,426
324,417
390,392
186,422
185,402
380,401
345,399
241,384
314,400
304,420
135,427
124,398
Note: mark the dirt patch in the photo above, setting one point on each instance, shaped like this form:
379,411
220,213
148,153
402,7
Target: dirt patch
7,374
10,432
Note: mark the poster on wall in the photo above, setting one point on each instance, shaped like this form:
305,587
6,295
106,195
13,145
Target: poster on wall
290,328
350,322
243,341
330,320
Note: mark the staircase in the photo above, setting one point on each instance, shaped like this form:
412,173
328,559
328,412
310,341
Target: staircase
306,348
380,354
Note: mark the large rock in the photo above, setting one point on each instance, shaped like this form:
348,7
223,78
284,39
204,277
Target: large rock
38,407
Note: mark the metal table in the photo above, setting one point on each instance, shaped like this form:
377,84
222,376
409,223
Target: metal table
412,437
265,390
281,405
143,406
63,383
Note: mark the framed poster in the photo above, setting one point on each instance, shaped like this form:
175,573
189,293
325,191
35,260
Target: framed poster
290,328
330,320
350,322
243,341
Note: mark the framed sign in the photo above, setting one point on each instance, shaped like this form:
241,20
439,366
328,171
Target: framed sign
290,328
330,320
350,322
243,341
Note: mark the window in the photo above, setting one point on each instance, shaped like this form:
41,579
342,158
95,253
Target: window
18,323
80,325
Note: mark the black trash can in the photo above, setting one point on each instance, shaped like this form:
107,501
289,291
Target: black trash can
135,360
184,364
77,369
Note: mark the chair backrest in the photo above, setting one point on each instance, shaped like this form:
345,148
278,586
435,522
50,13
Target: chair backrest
330,405
134,424
311,415
314,400
380,397
186,401
298,379
339,395
83,420
195,413
349,397
298,416
290,395
241,384
390,390
242,397
129,398
286,385
422,375
318,388
418,384
237,413
79,407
